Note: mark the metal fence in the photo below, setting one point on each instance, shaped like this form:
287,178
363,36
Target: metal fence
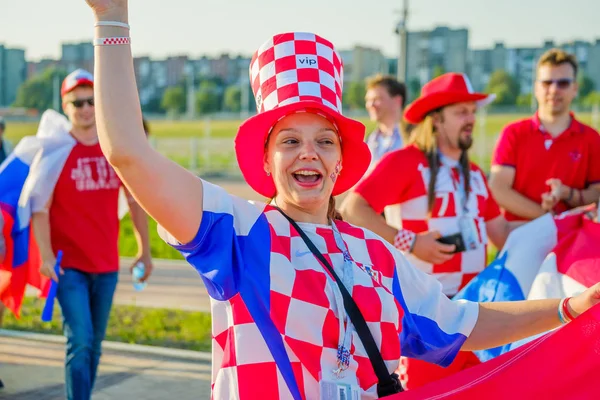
202,155
215,157
210,156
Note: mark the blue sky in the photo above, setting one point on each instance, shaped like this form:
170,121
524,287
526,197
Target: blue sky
196,27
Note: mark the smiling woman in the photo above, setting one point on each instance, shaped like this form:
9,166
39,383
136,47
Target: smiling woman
288,323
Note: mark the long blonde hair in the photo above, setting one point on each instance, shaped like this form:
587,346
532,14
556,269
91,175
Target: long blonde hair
423,136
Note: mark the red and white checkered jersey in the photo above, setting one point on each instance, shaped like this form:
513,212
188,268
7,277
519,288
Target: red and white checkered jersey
275,320
399,185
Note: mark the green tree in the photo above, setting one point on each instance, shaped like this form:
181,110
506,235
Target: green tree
414,89
38,92
524,100
173,100
217,80
586,86
505,87
153,106
251,99
592,99
208,97
232,99
438,70
355,95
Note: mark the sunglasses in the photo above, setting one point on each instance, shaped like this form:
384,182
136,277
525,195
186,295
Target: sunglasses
562,83
78,103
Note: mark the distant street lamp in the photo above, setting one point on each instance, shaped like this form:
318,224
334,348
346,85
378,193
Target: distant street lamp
191,92
55,90
402,32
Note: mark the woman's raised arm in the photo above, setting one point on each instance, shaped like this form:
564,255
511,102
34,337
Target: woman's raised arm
168,192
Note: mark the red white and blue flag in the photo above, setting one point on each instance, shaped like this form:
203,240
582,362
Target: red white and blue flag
546,258
27,179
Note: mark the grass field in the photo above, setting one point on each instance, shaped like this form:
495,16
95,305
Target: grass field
128,244
227,129
173,138
160,129
148,326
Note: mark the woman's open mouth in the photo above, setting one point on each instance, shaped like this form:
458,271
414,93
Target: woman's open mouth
307,177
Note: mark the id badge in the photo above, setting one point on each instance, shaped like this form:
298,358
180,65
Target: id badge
469,233
338,391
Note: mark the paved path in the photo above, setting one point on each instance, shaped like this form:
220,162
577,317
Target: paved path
173,284
33,370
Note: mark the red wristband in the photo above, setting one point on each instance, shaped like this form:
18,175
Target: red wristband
566,311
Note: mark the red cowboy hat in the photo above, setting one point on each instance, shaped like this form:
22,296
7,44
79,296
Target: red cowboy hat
446,89
298,72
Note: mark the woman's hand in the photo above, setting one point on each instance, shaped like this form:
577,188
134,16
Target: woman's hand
586,300
114,10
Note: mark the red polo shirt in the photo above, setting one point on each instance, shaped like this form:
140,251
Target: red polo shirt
573,157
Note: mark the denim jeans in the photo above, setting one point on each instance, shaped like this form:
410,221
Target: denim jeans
85,300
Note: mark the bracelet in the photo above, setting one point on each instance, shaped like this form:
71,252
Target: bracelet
412,245
570,194
561,316
113,23
112,41
565,308
563,311
404,240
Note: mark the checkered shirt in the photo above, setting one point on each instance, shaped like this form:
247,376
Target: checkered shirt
406,207
294,67
275,322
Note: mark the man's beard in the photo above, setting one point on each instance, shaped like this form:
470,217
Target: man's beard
466,142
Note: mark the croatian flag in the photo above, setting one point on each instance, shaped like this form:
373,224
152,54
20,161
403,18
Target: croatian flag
510,276
574,264
27,179
546,258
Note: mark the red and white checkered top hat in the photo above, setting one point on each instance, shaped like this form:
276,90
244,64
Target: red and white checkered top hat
289,73
296,66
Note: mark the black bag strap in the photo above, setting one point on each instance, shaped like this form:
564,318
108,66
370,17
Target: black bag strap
360,325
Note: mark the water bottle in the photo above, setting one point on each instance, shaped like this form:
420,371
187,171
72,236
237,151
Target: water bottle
138,272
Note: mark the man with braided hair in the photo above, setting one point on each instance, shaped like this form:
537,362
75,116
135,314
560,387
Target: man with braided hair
438,208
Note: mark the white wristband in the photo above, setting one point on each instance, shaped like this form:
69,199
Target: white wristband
113,23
